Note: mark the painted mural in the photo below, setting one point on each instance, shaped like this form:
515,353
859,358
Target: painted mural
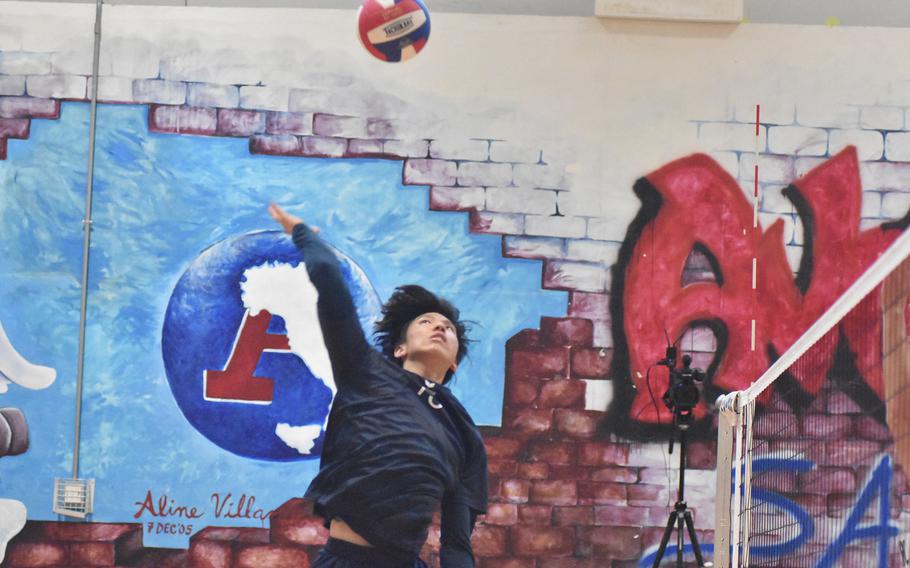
648,308
580,215
16,369
210,355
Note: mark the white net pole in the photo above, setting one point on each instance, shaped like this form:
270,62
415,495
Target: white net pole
736,529
723,505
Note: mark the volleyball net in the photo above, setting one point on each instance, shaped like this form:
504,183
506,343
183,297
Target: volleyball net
809,485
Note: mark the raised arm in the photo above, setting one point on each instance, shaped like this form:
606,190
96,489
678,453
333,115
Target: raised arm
338,319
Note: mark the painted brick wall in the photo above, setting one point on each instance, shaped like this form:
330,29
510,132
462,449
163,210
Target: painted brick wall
564,495
839,436
794,140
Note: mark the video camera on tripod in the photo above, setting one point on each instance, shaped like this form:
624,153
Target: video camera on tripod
682,394
681,398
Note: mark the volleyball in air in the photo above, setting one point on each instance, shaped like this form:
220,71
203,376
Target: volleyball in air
394,30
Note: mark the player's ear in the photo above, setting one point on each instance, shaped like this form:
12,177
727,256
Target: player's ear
400,351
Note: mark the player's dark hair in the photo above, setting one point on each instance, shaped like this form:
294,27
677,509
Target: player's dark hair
404,306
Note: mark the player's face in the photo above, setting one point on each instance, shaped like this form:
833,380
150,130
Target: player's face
432,336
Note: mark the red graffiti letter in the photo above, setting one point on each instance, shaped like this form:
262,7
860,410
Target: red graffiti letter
701,205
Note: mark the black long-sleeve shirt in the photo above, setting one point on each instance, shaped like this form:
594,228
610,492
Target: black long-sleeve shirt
398,447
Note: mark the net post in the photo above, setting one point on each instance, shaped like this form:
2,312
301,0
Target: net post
727,434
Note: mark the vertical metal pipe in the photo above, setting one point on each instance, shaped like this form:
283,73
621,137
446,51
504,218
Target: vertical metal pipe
87,237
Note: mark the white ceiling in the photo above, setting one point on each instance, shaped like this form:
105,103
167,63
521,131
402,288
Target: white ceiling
539,7
895,13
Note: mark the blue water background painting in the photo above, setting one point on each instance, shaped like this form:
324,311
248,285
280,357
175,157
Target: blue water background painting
159,201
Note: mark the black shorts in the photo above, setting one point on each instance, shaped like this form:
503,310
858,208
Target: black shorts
342,554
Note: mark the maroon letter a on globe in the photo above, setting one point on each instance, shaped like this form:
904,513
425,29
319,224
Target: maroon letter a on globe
236,382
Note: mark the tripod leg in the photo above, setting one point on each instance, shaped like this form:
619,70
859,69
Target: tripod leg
680,542
666,538
695,547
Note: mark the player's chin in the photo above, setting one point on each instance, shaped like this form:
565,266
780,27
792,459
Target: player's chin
440,350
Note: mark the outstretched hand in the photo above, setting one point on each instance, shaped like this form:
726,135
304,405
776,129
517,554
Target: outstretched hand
286,220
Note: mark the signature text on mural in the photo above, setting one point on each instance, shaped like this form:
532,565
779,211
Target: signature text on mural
172,517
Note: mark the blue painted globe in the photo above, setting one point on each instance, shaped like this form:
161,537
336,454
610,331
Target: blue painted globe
235,372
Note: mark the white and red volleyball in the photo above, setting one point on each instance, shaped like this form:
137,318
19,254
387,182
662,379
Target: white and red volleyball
394,30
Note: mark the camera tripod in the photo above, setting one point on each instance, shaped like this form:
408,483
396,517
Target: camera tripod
680,513
681,398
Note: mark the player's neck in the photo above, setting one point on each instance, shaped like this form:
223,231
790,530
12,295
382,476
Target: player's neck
427,370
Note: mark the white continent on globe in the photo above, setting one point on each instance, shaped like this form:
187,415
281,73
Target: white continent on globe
286,291
301,438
